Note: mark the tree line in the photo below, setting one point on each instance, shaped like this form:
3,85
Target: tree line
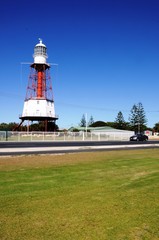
39,126
137,122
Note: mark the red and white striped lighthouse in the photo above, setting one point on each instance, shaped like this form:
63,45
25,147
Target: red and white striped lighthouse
39,103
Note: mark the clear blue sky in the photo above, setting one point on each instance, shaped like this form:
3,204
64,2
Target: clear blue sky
107,53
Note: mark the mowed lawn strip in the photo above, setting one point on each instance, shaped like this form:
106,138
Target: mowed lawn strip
100,195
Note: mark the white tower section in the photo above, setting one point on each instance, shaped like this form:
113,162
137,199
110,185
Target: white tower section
38,105
40,54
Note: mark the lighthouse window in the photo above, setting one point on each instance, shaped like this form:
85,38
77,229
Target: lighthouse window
40,50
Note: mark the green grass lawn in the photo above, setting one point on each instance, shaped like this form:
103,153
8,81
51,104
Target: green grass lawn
111,195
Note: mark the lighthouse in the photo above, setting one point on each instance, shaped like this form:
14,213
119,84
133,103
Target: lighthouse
39,102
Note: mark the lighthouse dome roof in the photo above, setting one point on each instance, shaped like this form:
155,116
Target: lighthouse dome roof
40,43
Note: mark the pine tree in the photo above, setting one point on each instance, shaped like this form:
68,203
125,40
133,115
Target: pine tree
83,121
137,118
133,118
119,121
91,121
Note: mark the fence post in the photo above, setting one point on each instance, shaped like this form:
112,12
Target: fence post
99,136
83,135
6,135
18,136
43,136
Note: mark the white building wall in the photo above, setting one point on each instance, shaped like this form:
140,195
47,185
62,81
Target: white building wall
39,59
38,108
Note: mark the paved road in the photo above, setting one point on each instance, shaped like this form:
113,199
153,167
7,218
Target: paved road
17,148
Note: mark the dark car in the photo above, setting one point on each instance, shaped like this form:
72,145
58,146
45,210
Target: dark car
139,137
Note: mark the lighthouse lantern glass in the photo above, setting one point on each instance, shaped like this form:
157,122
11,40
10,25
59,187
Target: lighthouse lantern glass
40,51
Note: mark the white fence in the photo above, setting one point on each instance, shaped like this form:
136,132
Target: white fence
63,136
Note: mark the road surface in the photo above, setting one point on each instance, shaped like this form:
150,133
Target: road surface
19,148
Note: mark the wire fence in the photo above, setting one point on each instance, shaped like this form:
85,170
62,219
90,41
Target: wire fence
64,136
